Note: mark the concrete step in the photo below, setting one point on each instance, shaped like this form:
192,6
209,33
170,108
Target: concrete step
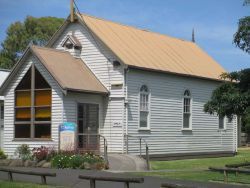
126,163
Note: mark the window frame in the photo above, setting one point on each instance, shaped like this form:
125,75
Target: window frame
190,128
32,123
148,93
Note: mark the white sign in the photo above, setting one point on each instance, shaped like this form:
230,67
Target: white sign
67,136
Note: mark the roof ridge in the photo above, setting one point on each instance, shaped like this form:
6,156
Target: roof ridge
51,49
134,27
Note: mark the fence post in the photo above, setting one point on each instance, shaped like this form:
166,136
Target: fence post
92,183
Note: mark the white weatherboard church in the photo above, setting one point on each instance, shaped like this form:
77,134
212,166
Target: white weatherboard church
116,80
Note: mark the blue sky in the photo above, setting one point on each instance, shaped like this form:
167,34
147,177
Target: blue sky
215,21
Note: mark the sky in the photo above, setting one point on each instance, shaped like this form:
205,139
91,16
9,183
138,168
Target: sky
214,21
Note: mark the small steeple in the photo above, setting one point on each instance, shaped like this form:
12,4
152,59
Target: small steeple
193,37
72,11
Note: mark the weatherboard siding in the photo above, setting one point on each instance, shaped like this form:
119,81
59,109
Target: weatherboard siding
99,59
10,144
166,100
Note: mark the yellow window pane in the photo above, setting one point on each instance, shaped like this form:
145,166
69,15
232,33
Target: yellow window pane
23,114
43,114
23,98
43,97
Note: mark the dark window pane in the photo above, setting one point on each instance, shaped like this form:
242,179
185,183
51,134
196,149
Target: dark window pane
25,82
22,131
42,131
80,141
23,98
2,111
40,82
143,119
221,122
42,114
43,98
23,114
93,117
80,126
80,111
186,120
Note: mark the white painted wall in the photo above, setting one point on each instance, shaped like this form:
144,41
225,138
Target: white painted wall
166,135
10,144
99,59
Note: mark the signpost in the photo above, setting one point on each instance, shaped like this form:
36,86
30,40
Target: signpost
67,133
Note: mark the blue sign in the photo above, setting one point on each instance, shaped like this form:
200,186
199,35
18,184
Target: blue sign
68,126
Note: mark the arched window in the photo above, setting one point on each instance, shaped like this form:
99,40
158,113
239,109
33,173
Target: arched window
33,106
144,107
187,110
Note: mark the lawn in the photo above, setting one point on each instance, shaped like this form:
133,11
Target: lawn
7,184
197,169
201,164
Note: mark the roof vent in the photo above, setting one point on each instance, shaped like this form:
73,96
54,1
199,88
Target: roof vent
116,63
73,45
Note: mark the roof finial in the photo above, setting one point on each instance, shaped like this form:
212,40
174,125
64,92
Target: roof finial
193,37
72,11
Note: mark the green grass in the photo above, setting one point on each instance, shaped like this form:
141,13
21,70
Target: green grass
7,184
197,169
201,164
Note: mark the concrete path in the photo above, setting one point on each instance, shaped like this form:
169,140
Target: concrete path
126,163
69,178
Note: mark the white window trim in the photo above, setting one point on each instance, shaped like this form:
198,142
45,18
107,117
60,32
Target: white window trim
190,128
139,109
224,123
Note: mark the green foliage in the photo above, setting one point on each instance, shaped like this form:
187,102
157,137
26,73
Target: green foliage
242,35
75,161
23,151
231,98
2,155
246,122
20,34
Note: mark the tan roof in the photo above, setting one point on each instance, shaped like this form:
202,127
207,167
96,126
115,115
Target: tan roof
71,73
148,50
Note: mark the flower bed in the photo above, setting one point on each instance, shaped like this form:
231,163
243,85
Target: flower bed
49,158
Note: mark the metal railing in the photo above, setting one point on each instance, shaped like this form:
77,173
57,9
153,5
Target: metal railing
141,142
95,143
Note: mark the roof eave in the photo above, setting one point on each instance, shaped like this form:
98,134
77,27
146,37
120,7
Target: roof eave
87,91
175,73
14,70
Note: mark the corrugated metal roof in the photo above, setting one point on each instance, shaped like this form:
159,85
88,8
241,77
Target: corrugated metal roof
154,51
71,73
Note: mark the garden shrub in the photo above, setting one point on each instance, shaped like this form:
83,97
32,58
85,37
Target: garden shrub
2,155
40,153
75,161
23,151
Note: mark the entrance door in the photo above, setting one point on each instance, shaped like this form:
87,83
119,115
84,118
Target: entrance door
88,124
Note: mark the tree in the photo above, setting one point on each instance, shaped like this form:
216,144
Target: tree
233,96
20,34
241,37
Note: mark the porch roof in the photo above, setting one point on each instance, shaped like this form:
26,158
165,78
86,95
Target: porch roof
70,73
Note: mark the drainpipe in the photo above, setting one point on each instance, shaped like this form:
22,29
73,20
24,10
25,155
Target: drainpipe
126,70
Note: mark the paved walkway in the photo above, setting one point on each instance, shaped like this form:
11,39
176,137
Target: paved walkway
126,163
69,178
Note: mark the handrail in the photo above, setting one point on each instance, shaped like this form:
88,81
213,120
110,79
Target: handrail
140,138
105,154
